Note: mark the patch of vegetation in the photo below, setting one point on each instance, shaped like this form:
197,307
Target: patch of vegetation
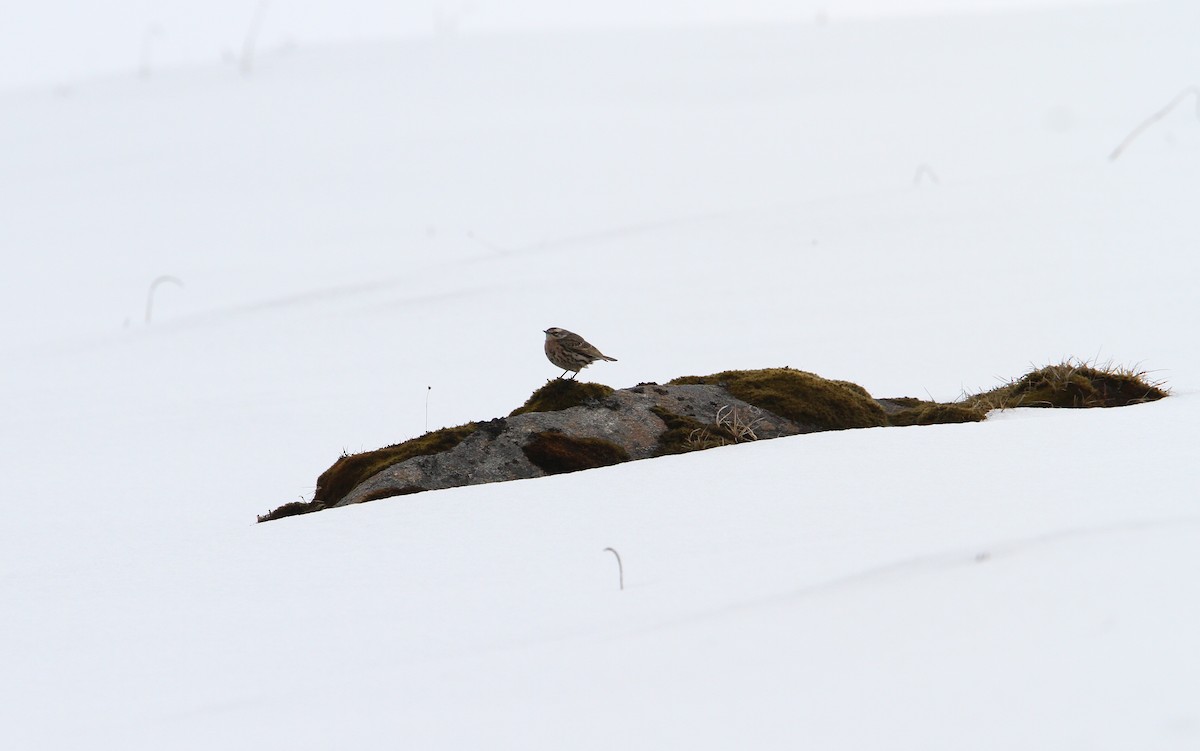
853,387
555,452
740,422
295,508
918,412
896,403
800,396
560,394
684,434
1072,384
1069,384
347,472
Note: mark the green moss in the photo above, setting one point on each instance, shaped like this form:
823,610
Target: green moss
1071,384
684,434
347,472
295,508
555,452
562,393
933,413
853,387
799,396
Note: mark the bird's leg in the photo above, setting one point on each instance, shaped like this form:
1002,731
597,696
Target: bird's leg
572,378
564,373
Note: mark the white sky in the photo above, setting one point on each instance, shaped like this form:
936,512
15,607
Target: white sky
58,41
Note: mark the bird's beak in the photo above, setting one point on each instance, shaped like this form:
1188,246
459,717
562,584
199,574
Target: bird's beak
546,331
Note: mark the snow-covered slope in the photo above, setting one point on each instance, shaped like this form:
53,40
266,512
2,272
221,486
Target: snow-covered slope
371,238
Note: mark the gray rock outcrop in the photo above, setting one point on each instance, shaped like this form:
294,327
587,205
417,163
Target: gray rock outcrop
631,419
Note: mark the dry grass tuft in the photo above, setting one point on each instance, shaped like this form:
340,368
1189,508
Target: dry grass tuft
684,434
1072,384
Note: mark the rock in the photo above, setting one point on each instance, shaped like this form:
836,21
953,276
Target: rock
588,426
567,426
626,419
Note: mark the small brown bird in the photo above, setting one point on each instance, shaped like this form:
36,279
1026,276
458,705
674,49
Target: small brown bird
571,352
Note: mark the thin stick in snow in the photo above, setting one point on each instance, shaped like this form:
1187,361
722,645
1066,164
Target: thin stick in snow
620,567
154,286
152,31
924,170
1190,90
246,64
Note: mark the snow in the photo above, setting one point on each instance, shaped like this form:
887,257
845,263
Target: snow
372,236
57,41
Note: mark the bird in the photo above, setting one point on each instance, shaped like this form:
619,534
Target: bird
570,351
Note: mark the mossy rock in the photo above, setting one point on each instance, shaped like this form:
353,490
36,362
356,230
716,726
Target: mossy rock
803,397
295,508
934,413
348,471
560,394
806,399
555,452
1071,385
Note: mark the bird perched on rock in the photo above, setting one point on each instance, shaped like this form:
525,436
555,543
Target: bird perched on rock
571,352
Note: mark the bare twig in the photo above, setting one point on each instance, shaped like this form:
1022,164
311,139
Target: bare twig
701,438
144,67
246,62
1189,91
154,286
924,170
620,567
